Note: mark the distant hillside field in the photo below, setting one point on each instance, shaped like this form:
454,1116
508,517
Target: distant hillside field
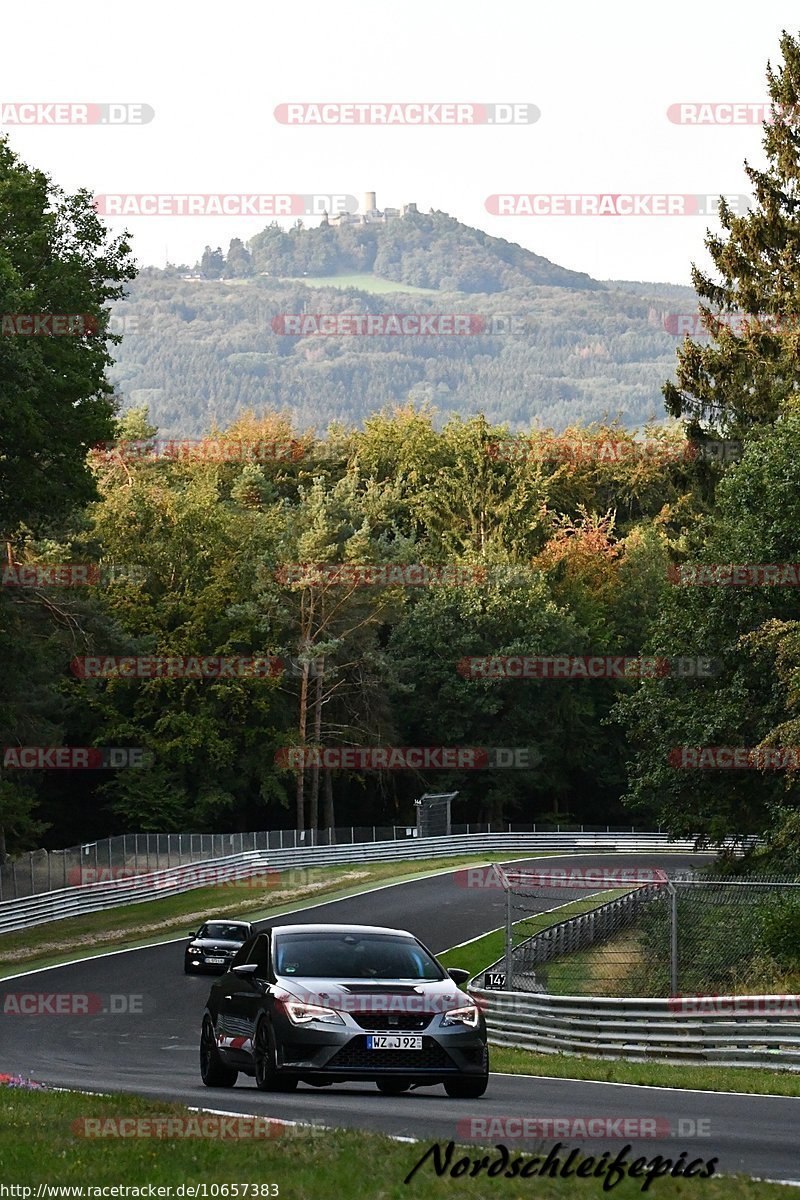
362,282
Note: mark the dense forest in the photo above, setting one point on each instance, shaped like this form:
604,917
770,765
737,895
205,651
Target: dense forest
201,352
278,542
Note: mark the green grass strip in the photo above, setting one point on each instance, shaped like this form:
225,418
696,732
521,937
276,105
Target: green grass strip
41,1143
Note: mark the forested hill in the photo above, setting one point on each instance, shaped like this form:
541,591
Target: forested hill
203,351
431,251
547,346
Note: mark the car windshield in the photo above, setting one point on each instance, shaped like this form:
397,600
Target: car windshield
353,956
224,930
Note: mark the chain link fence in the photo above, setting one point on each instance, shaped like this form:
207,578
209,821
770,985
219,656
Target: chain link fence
639,932
132,854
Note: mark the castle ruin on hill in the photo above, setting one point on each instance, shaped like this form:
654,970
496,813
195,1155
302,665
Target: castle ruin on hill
371,215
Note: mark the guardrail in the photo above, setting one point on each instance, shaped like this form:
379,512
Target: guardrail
140,853
92,897
730,1031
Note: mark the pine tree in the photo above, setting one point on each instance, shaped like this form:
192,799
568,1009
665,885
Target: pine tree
741,378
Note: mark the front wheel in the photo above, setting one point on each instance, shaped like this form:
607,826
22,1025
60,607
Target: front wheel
213,1071
265,1061
467,1087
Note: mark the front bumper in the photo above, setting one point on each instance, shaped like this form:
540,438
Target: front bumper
341,1052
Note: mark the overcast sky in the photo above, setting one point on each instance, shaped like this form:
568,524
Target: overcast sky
603,77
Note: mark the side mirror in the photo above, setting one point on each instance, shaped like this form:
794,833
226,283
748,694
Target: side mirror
458,975
190,937
248,971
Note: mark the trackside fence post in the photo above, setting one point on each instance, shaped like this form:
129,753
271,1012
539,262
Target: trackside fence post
673,939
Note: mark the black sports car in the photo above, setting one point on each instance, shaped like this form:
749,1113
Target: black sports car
214,945
321,1004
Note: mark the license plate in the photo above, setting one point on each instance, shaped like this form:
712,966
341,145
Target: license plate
394,1041
215,960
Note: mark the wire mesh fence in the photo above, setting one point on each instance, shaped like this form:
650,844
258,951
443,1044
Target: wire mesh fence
641,932
131,854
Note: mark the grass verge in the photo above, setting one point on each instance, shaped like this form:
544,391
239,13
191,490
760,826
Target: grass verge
476,956
753,1080
40,1143
135,925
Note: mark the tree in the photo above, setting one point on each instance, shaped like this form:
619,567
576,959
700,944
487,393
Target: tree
750,632
750,367
239,263
212,264
55,400
199,529
333,623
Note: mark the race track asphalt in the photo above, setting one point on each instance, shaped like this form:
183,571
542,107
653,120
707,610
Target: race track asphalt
153,1050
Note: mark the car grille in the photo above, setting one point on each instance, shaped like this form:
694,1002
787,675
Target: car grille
356,1056
399,1021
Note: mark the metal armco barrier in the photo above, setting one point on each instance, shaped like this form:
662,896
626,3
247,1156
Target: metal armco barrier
92,897
751,1031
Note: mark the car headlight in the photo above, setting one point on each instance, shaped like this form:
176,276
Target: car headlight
303,1014
193,949
468,1015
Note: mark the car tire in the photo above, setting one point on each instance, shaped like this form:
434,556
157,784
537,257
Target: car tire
187,970
393,1087
466,1087
267,1076
213,1071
